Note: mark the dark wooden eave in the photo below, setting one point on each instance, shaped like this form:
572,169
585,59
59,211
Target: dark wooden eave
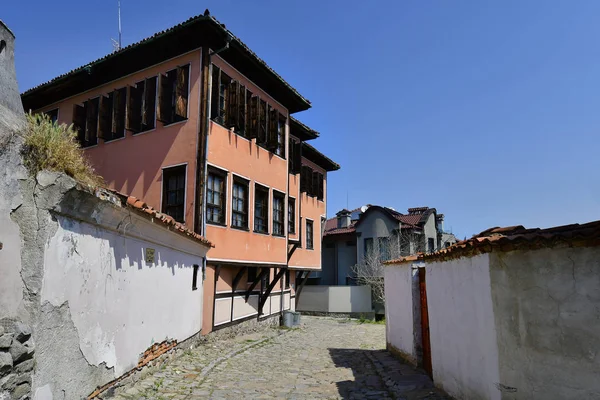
198,31
301,131
314,155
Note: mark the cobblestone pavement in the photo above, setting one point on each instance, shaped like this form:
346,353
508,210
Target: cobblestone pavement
324,359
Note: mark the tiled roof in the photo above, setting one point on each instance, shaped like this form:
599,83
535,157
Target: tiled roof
206,17
515,238
143,209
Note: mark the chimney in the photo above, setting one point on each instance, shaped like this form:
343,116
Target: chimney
440,222
344,218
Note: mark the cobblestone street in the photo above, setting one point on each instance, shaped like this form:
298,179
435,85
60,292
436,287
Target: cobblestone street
324,359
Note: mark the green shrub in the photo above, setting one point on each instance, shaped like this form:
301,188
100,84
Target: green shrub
54,147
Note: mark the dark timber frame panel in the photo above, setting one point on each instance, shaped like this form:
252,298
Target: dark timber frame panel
302,282
258,278
267,292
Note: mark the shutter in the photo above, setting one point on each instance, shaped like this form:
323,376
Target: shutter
321,189
291,157
181,99
315,184
273,129
118,113
232,104
241,126
214,96
254,106
149,105
79,113
298,157
303,180
91,122
105,117
134,108
164,111
262,123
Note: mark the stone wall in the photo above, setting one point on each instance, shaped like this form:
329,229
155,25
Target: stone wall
16,359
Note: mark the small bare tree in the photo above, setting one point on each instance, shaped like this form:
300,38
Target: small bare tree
369,270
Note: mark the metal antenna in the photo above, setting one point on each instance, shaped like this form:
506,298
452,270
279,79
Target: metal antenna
117,44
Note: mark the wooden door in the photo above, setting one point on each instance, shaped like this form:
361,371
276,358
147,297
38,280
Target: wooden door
425,324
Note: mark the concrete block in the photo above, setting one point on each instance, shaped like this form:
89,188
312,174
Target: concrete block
19,352
5,341
6,362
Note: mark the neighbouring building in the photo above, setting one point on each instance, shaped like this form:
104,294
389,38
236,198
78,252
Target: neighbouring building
512,313
194,122
378,231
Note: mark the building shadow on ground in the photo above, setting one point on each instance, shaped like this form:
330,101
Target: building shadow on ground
371,370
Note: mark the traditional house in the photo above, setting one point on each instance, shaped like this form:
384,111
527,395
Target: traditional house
194,122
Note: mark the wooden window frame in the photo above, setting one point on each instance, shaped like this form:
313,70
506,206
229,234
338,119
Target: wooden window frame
310,245
53,115
173,92
291,215
244,214
258,188
216,173
165,206
279,214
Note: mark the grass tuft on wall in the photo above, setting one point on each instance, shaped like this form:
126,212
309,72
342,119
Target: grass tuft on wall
54,147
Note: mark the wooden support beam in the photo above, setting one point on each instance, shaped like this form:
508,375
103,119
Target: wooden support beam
301,286
267,293
292,250
217,271
234,284
263,272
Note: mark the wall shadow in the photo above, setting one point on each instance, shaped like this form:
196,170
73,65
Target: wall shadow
367,383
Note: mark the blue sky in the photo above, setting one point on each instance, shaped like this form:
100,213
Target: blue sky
488,111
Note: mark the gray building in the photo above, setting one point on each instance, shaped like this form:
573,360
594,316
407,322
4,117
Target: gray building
352,234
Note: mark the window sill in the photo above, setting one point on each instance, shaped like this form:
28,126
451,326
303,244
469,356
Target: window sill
216,224
262,232
278,235
114,140
310,248
142,132
174,123
91,146
240,228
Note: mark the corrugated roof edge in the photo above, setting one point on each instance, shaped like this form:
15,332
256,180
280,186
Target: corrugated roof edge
159,34
514,238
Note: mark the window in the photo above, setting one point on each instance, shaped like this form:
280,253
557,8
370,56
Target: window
215,197
220,96
195,278
251,274
306,179
384,248
112,114
287,278
309,234
317,185
173,201
261,209
53,115
278,214
368,246
291,216
141,106
295,153
173,94
85,119
280,151
430,245
239,204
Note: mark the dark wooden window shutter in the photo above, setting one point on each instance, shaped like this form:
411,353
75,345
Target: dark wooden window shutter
298,157
292,158
105,118
320,189
214,101
241,126
262,123
134,108
79,116
91,122
165,98
118,113
181,99
149,103
314,184
232,104
254,111
273,129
